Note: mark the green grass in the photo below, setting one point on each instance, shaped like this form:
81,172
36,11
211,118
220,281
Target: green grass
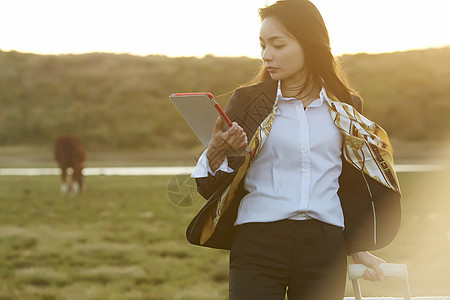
124,239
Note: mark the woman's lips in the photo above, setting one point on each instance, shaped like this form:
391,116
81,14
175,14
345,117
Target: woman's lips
271,69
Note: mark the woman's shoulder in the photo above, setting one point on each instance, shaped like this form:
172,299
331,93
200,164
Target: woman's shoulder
357,102
257,97
268,85
260,94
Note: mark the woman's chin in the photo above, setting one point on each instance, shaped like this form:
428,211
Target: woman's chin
275,76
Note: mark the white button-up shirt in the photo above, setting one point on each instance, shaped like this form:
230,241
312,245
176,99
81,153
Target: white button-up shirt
295,174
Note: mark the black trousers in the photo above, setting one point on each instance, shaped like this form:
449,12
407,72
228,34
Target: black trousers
306,259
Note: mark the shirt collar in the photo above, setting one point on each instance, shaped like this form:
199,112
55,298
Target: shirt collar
316,103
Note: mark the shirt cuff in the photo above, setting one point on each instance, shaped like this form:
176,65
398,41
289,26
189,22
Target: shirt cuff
202,168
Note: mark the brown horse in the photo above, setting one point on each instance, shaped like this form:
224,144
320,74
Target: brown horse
69,152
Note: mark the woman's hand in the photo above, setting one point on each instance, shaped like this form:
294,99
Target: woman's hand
371,261
223,142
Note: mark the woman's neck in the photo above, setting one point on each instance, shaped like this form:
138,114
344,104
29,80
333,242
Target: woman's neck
296,89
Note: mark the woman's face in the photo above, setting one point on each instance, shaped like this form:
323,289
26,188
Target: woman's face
282,54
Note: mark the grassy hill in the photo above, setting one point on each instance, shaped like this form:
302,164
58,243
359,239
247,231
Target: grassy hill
121,101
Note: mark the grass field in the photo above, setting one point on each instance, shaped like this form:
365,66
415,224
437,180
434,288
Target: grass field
124,239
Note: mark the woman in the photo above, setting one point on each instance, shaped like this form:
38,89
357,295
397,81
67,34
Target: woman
319,184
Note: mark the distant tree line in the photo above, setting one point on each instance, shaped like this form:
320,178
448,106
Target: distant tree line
121,101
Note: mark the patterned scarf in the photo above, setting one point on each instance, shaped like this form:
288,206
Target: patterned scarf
366,146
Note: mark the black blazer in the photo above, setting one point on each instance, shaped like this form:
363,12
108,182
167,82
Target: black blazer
371,210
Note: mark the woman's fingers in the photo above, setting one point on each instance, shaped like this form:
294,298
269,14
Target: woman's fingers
375,265
371,261
228,140
218,125
368,275
379,272
235,137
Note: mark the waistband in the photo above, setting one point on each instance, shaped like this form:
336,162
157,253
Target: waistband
294,226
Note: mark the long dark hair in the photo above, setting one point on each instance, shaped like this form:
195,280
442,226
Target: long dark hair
302,19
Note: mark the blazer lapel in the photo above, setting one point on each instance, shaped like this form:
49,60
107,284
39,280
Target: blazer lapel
255,104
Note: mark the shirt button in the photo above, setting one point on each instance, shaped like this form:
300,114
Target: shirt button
303,126
305,149
306,175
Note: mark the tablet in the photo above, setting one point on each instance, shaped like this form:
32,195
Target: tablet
199,112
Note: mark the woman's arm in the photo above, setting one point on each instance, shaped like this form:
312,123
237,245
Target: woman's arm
222,143
202,168
371,261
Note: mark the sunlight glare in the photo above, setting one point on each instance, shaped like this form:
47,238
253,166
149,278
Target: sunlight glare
200,27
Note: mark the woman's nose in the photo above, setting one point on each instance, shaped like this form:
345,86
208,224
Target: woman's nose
266,55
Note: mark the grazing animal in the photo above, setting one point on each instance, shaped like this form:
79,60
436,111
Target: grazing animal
69,152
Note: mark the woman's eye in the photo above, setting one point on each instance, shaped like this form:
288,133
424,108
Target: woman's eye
278,46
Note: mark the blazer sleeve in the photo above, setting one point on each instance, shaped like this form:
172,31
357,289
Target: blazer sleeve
207,186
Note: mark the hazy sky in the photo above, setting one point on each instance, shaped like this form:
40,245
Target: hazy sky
199,27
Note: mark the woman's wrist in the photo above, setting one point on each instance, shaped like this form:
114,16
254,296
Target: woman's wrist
371,261
355,255
215,157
